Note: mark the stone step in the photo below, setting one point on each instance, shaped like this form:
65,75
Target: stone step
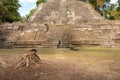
83,42
54,44
38,44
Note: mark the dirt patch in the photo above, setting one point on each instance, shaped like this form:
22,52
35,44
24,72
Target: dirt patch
45,71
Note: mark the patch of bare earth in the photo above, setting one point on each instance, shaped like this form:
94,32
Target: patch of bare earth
62,68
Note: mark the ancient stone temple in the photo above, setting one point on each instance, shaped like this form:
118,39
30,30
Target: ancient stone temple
71,21
65,12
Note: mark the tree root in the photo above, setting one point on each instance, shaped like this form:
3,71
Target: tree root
27,60
3,64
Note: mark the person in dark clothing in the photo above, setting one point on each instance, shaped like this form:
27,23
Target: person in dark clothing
59,43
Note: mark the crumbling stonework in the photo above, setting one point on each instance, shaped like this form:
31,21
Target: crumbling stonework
64,12
71,21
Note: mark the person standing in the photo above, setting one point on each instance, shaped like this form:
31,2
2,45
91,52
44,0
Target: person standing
59,43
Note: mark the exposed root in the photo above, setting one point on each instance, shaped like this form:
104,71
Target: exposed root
3,64
28,59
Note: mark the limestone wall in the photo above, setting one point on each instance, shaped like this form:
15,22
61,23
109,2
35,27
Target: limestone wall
95,32
102,34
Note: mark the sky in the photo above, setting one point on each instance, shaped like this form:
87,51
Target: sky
27,5
114,1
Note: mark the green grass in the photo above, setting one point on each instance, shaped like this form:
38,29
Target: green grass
86,52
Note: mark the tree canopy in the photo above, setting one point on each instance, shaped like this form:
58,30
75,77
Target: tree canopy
106,9
40,1
9,10
4,13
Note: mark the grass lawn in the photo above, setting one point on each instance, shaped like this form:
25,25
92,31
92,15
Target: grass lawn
104,53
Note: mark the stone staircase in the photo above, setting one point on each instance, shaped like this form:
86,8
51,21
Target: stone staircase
85,43
54,44
29,44
39,44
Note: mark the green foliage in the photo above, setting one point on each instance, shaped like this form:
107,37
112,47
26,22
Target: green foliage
9,10
40,1
4,13
32,12
24,18
106,9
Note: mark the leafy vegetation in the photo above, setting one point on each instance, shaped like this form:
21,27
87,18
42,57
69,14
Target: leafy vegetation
106,9
40,1
9,10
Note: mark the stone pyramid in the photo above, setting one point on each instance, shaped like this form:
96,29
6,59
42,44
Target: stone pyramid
71,21
64,12
89,27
